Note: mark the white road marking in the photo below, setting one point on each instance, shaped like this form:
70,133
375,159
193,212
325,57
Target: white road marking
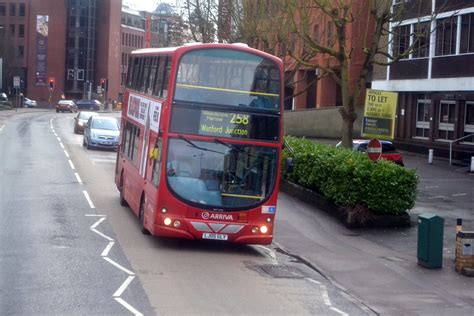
124,285
436,197
460,194
325,295
339,311
62,146
59,139
431,187
128,306
107,249
103,160
88,199
118,266
102,234
71,164
95,215
65,152
314,281
77,177
97,223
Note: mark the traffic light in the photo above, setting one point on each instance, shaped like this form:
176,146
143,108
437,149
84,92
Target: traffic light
51,84
103,84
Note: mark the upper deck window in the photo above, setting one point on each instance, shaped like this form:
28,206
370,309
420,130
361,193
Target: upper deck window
228,77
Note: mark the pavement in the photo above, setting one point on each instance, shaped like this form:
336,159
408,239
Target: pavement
387,258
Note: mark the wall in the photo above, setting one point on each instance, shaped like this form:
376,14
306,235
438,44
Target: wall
109,45
322,123
56,53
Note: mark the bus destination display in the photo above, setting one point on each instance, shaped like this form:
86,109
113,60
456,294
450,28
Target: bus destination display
224,124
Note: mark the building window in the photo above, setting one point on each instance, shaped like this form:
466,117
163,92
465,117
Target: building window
446,36
423,118
12,9
3,9
21,10
2,30
21,51
401,41
330,35
446,120
12,30
421,40
469,122
21,31
467,33
316,35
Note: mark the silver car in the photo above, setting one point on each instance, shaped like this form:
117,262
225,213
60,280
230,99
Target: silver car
101,132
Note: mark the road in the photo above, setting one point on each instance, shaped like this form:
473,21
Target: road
68,247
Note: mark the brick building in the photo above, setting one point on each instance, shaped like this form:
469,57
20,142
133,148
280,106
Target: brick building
142,29
435,82
75,43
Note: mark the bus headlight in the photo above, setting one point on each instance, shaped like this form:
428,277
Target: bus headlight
177,224
263,229
254,229
269,219
167,221
164,210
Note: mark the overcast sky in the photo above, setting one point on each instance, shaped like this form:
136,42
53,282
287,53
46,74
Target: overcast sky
147,5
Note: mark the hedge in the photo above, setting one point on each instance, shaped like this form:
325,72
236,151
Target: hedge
350,178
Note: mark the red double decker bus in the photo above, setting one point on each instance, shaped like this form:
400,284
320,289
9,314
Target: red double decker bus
201,142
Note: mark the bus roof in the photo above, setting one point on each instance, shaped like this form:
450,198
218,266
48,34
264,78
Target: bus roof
190,46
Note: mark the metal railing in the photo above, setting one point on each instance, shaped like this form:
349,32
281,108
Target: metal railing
451,146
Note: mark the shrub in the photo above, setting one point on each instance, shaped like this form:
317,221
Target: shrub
350,178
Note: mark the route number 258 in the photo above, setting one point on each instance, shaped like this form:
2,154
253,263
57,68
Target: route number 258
240,119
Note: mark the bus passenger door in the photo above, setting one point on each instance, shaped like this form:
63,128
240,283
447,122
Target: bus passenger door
152,180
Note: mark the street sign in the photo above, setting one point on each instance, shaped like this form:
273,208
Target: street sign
374,149
16,82
379,114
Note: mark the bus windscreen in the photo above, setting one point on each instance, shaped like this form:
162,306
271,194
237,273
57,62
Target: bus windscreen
228,77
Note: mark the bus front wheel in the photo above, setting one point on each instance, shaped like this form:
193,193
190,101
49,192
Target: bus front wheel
141,216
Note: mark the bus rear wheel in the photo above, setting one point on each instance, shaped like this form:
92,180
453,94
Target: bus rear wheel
141,217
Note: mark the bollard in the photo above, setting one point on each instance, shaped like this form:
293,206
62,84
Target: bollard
458,225
472,164
430,156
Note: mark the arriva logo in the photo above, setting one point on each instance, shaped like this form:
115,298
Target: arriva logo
219,217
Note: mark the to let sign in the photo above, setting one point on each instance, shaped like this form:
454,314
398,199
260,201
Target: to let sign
374,149
379,114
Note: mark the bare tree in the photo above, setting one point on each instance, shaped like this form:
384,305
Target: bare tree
328,35
211,20
202,18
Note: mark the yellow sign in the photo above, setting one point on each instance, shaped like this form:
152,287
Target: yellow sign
379,114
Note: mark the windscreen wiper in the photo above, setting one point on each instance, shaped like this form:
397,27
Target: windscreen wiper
198,147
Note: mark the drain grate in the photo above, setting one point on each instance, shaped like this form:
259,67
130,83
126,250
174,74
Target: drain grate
282,271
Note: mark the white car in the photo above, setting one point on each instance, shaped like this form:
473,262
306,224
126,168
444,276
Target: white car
28,103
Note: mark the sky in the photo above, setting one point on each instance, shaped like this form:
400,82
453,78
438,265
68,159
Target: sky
147,5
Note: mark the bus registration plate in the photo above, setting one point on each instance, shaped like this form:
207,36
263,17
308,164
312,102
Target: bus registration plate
214,236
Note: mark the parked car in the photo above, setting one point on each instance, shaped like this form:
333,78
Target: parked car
93,105
101,132
4,99
388,150
81,119
28,103
66,106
